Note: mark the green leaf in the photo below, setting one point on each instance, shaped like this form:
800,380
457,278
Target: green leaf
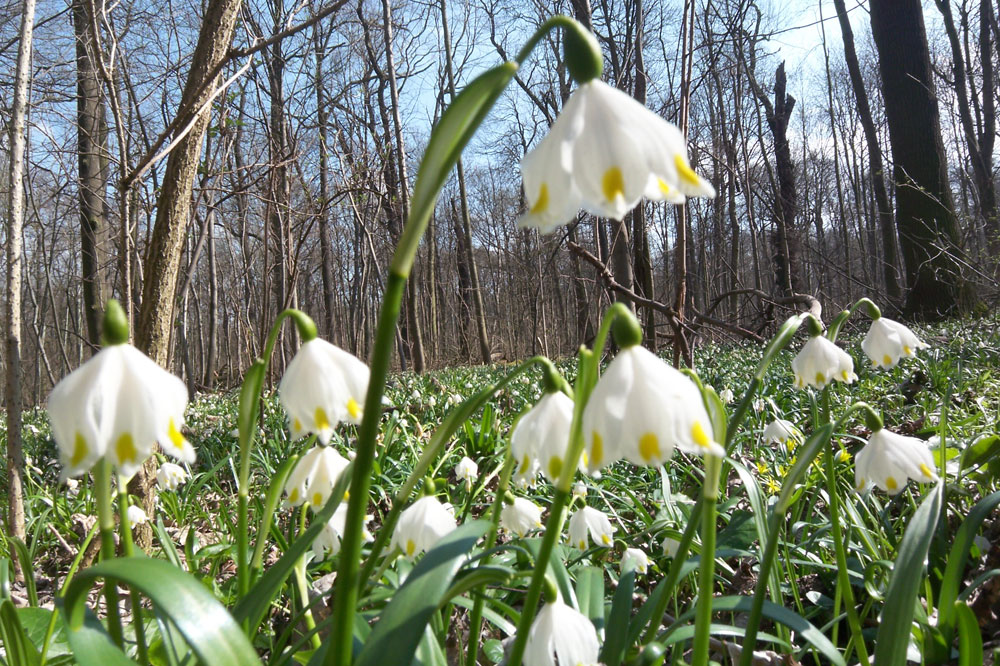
493,649
18,648
35,622
394,639
429,652
970,639
955,567
686,633
590,594
457,125
178,597
982,451
27,568
893,636
787,617
616,631
254,605
93,646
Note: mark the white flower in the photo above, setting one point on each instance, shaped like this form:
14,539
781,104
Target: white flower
170,476
641,409
604,153
328,540
596,523
670,546
322,386
819,362
888,340
521,517
726,395
541,436
314,477
633,558
468,471
422,525
454,399
758,405
561,633
136,516
431,401
782,432
116,406
888,460
579,490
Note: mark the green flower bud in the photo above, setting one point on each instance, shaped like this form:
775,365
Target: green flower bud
583,53
115,324
626,330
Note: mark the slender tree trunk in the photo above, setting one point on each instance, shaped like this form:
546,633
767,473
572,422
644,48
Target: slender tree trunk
928,229
15,226
326,243
173,209
92,136
413,323
477,297
876,169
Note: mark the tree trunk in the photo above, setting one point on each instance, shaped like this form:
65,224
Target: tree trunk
173,209
15,225
928,229
485,352
92,140
876,170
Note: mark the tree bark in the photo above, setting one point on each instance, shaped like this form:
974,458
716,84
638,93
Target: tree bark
928,229
876,169
15,226
173,208
92,141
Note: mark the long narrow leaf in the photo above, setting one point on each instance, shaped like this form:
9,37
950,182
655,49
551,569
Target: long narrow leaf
893,636
207,626
395,637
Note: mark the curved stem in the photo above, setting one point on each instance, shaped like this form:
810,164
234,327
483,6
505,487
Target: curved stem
303,588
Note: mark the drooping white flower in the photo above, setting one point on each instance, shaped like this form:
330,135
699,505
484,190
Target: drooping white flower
322,386
170,476
116,406
726,395
541,436
579,490
468,471
314,476
670,546
888,460
136,516
422,525
589,520
820,362
758,405
561,633
634,558
641,410
604,153
784,432
887,341
328,540
521,517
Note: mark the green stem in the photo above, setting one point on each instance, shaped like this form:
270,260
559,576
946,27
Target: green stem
250,396
81,551
587,371
843,578
303,589
346,590
128,548
106,520
706,582
476,619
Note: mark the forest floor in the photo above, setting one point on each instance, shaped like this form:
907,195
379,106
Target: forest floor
950,394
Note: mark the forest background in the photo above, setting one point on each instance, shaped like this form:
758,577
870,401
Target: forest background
319,111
